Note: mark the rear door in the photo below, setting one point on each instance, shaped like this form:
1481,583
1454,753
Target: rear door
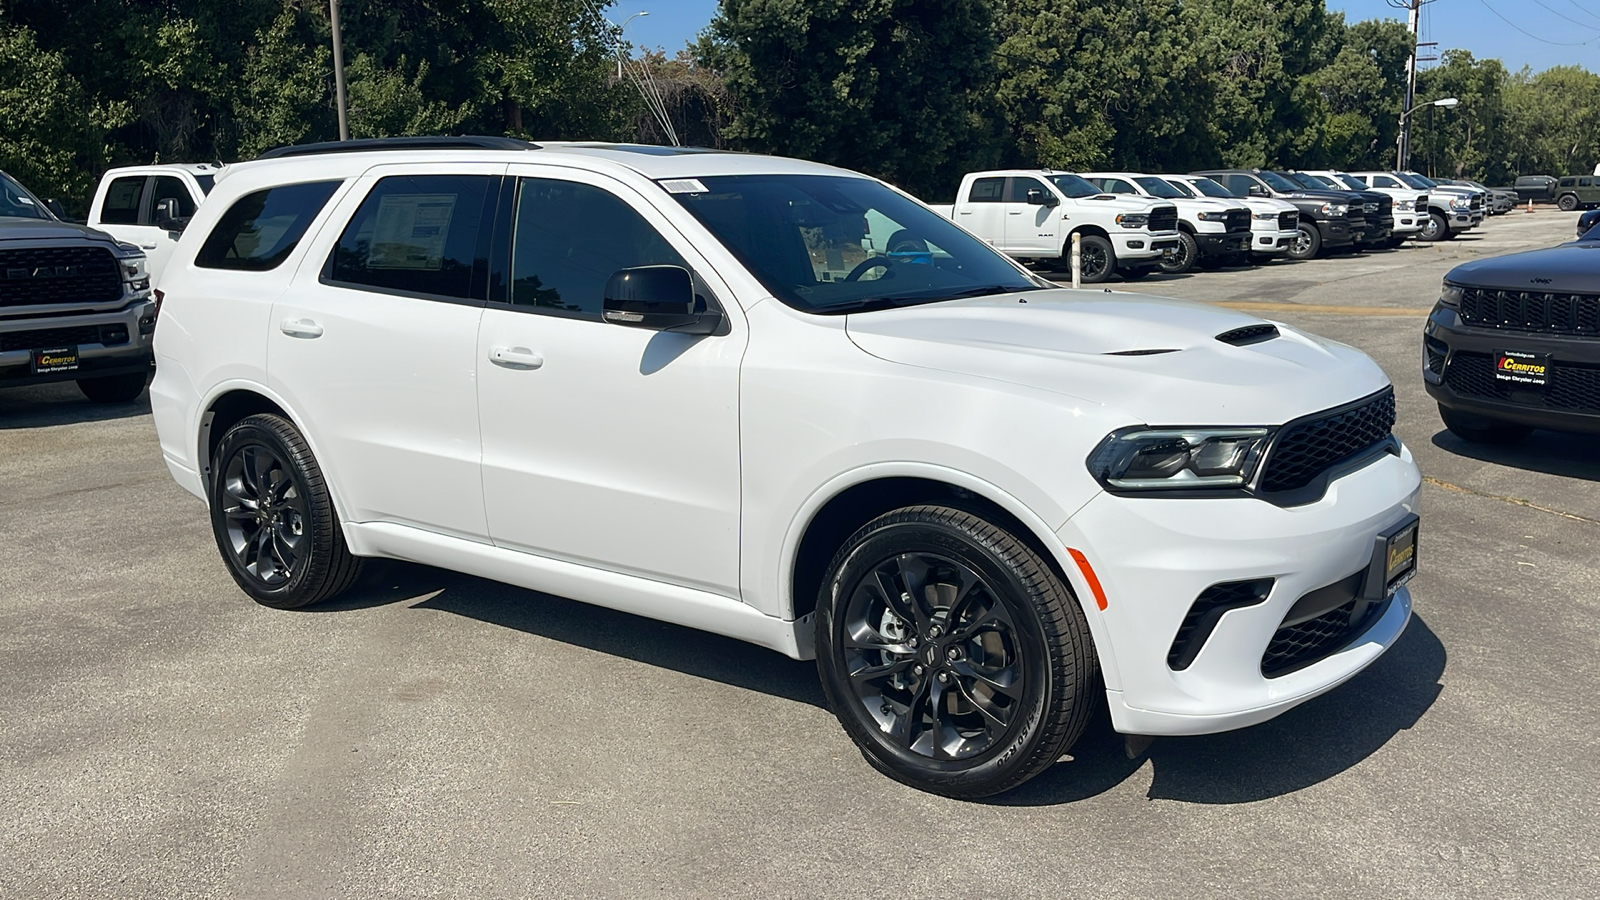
982,211
120,209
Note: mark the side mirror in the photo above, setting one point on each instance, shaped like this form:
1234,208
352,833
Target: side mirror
56,209
1037,197
167,215
659,298
1257,190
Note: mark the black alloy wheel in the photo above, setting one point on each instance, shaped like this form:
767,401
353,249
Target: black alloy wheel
953,656
273,518
1183,258
1307,242
1096,259
1567,202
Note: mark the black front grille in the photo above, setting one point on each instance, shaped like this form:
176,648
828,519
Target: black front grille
1238,220
1288,221
1477,202
1306,449
1385,207
1303,643
46,275
52,338
1536,312
1164,218
1207,610
1573,388
1435,351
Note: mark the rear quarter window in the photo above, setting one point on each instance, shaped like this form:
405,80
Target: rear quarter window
261,229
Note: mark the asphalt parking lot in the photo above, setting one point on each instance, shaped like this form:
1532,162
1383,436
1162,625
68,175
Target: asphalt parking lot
435,735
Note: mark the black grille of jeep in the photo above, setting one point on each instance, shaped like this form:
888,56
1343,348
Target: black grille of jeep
47,275
1569,387
1303,643
52,338
1288,221
1307,448
1164,218
1532,311
1206,611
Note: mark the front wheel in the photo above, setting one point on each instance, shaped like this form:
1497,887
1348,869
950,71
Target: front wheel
1097,260
953,655
1482,430
273,519
1567,202
114,388
1307,242
1435,228
1182,259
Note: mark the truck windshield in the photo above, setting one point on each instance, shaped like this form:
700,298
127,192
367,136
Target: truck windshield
1158,188
1278,182
1310,182
1349,182
1416,181
1210,188
1183,189
834,244
16,202
1075,186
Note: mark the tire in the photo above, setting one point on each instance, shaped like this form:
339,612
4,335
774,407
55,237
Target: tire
296,555
1437,228
1097,248
1567,202
1183,258
1482,430
925,713
1307,244
114,388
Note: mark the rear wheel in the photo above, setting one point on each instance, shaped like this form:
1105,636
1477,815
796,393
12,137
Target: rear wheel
1307,242
114,388
1567,202
952,654
1480,429
1183,258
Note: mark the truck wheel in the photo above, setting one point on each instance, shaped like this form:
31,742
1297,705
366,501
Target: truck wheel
1567,202
1436,228
1307,243
1182,259
953,655
1096,259
114,388
1482,430
273,519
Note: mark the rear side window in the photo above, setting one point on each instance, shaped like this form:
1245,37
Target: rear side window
987,190
122,201
169,188
416,234
260,230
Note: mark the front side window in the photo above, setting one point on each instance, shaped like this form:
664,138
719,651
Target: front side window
1116,186
261,229
830,244
169,188
987,190
1585,182
415,234
1210,188
123,199
1017,189
568,239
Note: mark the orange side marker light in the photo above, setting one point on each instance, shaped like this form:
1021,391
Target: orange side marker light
1089,576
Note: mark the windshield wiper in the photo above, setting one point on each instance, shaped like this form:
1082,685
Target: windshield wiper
895,301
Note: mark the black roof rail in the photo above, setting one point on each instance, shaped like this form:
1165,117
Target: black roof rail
460,142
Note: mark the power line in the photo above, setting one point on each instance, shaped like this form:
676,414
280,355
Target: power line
1531,34
1582,10
1567,17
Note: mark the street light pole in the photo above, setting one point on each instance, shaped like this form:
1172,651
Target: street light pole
338,71
619,39
1405,115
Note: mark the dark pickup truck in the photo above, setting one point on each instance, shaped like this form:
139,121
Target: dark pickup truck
1328,218
75,303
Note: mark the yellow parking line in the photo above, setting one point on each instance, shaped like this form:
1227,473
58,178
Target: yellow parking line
1263,306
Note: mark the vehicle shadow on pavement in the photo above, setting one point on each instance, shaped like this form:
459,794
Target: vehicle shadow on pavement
675,647
1550,452
45,405
1305,746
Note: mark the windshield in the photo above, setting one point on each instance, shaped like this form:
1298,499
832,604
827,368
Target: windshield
16,202
1324,180
1416,181
1158,187
1278,182
1075,186
1349,181
1210,188
833,244
1310,182
1182,188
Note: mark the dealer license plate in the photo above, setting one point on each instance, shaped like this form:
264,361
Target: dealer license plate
56,359
1531,369
1400,558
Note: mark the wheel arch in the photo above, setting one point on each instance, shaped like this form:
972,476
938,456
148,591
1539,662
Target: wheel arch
1095,230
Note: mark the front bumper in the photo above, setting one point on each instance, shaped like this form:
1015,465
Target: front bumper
1271,240
1406,223
1154,557
1149,246
1222,243
137,320
1458,374
1336,232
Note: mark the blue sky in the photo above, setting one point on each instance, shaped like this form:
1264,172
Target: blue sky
1558,32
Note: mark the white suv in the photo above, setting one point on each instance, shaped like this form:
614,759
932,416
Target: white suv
790,404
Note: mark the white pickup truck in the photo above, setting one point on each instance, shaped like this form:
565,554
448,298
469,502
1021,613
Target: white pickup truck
147,206
1033,214
1210,232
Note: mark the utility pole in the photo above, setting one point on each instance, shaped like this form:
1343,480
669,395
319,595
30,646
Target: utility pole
338,71
1413,10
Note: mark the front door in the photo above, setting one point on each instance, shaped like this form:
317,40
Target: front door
605,445
1031,228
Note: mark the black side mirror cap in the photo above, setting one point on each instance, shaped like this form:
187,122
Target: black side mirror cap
659,298
167,215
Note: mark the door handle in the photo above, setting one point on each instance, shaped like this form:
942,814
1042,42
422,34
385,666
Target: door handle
1016,212
515,358
300,328
147,246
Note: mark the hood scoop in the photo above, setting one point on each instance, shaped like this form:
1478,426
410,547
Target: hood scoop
1152,352
1249,334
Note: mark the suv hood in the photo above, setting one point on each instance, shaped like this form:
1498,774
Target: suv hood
13,229
1567,268
1074,343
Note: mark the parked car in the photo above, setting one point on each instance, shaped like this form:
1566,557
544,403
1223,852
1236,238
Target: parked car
1327,220
1540,188
1577,191
1587,220
1274,224
1404,218
1032,214
1210,232
1378,209
1514,344
715,389
75,303
1451,210
148,206
1500,200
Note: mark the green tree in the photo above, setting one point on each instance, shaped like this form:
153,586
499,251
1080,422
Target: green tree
46,141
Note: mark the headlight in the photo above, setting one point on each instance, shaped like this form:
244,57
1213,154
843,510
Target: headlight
1460,203
1146,459
134,268
1450,295
1402,205
1265,217
1133,220
1335,209
1213,217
